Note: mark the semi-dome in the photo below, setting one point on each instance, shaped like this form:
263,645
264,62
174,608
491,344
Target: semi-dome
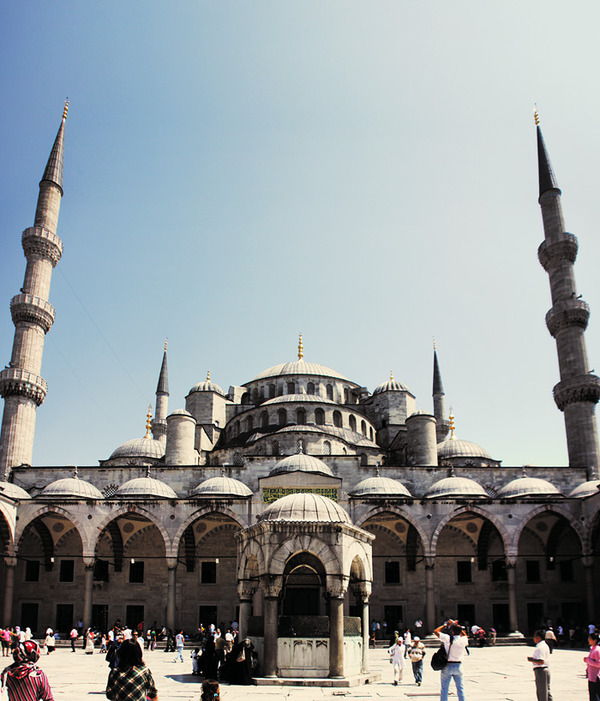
299,367
300,463
390,386
586,489
71,487
527,487
222,487
456,448
13,491
456,488
145,488
380,487
146,447
306,507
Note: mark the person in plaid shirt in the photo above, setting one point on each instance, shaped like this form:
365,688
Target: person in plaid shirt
131,680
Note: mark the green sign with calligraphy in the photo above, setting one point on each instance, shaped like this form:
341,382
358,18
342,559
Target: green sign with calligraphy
271,494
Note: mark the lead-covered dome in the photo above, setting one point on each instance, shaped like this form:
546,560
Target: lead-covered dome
146,447
528,487
222,487
306,507
456,488
145,488
586,489
299,367
380,487
13,491
71,487
456,448
390,386
300,463
207,386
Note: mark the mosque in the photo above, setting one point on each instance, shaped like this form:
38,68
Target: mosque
300,504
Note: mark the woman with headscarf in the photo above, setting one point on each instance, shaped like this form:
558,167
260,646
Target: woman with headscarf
89,642
241,672
23,679
131,680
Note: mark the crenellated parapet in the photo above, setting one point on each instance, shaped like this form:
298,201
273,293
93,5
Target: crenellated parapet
558,249
566,314
37,240
15,382
583,388
33,310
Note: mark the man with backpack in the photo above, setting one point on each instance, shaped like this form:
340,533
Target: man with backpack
455,641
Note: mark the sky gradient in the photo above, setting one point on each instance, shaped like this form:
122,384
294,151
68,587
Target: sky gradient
238,172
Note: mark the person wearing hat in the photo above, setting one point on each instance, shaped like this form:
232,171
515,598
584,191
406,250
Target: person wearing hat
416,652
23,679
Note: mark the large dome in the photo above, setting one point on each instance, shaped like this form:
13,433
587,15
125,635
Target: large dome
71,487
300,463
145,488
140,448
380,487
13,491
456,488
306,507
222,487
531,487
455,448
299,367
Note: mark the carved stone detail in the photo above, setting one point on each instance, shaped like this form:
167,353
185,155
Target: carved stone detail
14,381
42,242
34,310
566,314
557,250
583,388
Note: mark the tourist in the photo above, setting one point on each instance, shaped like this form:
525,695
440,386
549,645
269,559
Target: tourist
593,667
49,641
396,652
131,680
73,635
416,654
455,641
210,691
241,672
5,640
23,679
179,645
540,658
89,642
195,655
550,639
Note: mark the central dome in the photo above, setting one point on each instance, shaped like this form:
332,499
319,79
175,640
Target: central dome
299,367
300,463
306,507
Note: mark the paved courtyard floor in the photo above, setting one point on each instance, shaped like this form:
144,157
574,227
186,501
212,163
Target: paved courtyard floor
492,674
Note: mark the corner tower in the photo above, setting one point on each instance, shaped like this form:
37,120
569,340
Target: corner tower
578,391
21,385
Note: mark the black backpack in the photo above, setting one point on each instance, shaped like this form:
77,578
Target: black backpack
439,659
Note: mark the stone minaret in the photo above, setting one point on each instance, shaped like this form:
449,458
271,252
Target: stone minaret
578,391
159,425
439,406
20,383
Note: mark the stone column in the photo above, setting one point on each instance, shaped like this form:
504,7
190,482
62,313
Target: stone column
171,582
271,586
88,592
365,592
245,593
429,595
511,570
336,588
588,568
11,565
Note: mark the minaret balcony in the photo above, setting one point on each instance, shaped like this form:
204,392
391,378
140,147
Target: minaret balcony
37,240
566,314
18,382
558,249
582,388
33,310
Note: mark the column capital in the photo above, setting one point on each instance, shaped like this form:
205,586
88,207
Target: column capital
246,590
429,562
10,561
172,563
337,585
271,584
89,562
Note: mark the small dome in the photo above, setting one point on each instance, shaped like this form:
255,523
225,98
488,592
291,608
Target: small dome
180,412
306,507
527,487
145,487
300,463
380,487
456,488
299,367
140,448
390,386
13,491
586,489
207,386
71,487
455,448
222,488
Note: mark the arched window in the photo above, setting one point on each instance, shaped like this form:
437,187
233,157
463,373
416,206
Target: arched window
326,448
246,398
275,447
329,391
371,433
255,395
363,459
300,416
291,388
319,417
346,395
282,417
363,428
352,422
236,428
299,445
264,419
249,423
272,389
337,418
310,388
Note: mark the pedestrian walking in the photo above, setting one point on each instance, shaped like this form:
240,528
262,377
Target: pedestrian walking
396,652
455,641
179,645
130,680
416,653
539,659
593,667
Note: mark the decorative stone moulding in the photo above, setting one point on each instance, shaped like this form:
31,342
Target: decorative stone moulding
556,250
584,388
34,310
36,240
566,314
16,382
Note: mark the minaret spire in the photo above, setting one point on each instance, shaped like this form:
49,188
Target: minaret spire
439,403
159,425
21,385
578,390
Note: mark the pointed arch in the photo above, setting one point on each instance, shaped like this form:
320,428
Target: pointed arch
471,508
398,511
542,508
25,522
198,514
299,543
140,511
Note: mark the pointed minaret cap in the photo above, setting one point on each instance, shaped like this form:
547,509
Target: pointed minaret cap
546,174
54,167
438,388
163,378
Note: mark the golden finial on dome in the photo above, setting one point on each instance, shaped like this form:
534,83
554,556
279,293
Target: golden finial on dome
66,109
148,422
434,346
451,424
166,339
300,348
391,374
536,115
208,375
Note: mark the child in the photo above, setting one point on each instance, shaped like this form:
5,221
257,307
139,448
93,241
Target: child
195,661
210,691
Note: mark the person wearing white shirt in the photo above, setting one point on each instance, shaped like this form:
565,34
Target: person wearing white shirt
540,658
455,640
396,652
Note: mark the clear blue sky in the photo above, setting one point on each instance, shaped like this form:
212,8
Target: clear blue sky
238,172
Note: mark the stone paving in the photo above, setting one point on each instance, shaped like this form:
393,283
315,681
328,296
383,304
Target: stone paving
492,674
